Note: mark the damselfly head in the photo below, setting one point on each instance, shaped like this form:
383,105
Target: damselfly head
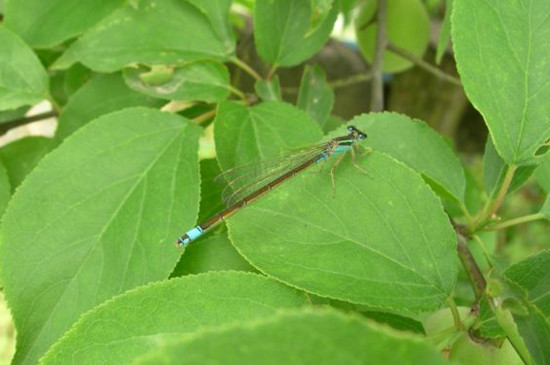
356,133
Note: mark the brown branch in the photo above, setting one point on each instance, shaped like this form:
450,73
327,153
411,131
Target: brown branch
5,127
423,64
377,86
470,265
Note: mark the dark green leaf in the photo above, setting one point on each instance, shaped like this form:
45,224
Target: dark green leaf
167,32
217,12
494,171
288,32
315,96
444,32
533,276
213,253
197,81
244,134
21,156
96,217
5,190
103,94
44,26
269,90
381,240
298,337
502,50
23,80
137,321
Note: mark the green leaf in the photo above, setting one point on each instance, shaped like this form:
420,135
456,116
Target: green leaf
168,32
217,12
298,337
269,90
47,26
533,276
96,217
501,50
101,95
535,331
316,97
418,146
444,33
211,191
137,321
5,189
407,26
21,156
494,171
213,253
287,32
381,240
244,134
397,322
542,174
10,115
197,81
23,80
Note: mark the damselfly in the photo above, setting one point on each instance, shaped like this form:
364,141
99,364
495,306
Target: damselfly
243,192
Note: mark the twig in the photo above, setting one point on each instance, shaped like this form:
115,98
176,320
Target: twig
353,79
470,265
377,85
205,116
5,127
245,68
492,206
516,221
423,64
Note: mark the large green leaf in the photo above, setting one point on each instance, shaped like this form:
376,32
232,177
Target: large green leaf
197,81
134,323
418,146
288,32
502,52
298,337
150,32
381,238
96,217
23,80
244,134
45,25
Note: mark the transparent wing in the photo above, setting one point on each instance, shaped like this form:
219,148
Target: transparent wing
244,180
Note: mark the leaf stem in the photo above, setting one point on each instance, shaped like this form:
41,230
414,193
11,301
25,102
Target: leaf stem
492,206
423,64
246,68
456,315
205,116
377,85
237,92
351,80
515,221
